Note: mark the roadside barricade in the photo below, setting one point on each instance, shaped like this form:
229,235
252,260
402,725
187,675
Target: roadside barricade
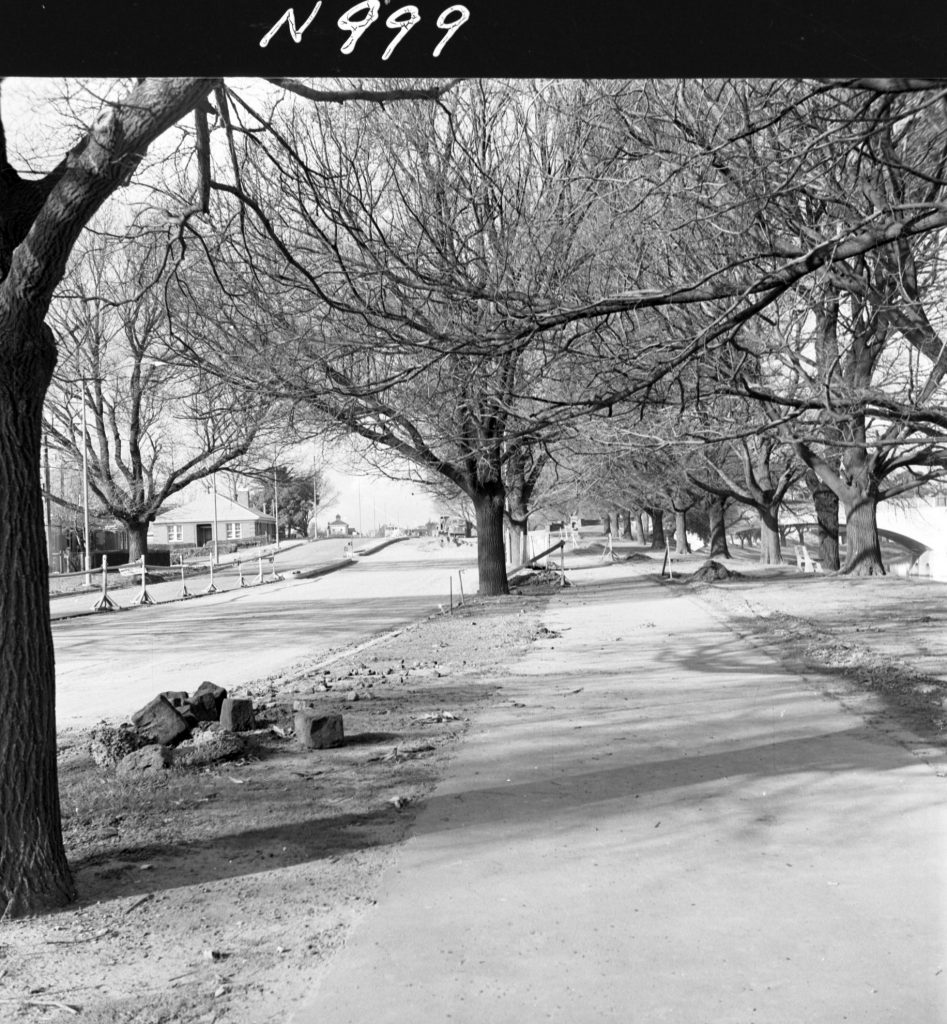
105,603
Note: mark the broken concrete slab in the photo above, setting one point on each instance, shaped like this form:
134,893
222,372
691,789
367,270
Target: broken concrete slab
209,747
236,714
178,699
207,701
108,744
317,731
148,760
158,722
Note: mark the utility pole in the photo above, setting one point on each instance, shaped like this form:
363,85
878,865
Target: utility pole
216,545
315,501
276,508
85,496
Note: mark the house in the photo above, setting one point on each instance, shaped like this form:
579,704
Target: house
339,528
197,522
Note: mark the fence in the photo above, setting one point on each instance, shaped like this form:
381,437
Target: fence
142,576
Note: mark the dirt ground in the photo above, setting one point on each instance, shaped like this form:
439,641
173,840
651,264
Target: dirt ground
218,895
877,644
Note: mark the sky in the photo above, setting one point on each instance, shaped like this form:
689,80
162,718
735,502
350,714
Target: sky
367,502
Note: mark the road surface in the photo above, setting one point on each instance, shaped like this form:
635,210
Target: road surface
108,666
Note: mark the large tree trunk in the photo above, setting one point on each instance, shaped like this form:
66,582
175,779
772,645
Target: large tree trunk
137,540
642,535
34,875
626,524
39,223
770,551
825,501
491,560
862,549
519,540
716,513
657,528
681,547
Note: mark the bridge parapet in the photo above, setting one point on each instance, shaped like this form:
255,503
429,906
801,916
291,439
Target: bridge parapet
924,523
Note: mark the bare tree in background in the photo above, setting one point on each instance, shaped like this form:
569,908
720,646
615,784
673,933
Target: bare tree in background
153,427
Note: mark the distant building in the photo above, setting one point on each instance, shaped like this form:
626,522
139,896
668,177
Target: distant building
339,528
197,522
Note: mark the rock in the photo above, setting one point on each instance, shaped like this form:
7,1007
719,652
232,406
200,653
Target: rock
158,722
206,702
209,746
178,699
316,732
267,716
149,760
352,695
236,714
109,744
206,727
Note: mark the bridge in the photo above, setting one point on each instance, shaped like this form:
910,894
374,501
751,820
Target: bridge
922,522
918,525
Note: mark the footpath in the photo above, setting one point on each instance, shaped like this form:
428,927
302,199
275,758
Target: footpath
657,823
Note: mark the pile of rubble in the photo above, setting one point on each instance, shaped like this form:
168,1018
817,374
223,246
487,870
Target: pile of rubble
178,729
711,571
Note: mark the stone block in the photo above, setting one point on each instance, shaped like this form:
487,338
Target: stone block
317,731
158,722
149,760
236,714
207,701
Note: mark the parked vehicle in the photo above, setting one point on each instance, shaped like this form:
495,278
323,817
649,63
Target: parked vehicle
452,528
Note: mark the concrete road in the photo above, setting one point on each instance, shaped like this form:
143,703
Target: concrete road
107,666
294,556
660,824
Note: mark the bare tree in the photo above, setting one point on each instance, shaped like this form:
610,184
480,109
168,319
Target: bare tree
147,426
41,218
389,296
40,221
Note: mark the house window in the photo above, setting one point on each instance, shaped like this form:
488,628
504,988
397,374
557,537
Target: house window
175,532
233,531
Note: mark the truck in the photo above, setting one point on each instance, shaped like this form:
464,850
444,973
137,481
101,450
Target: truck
452,528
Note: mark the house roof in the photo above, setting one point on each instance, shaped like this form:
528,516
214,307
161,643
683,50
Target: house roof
201,510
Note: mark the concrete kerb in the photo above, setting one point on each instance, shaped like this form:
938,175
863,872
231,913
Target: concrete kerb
323,570
378,547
